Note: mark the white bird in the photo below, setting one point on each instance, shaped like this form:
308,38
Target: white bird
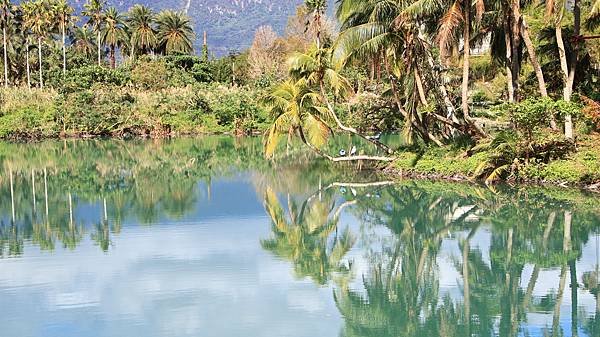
342,153
353,150
353,191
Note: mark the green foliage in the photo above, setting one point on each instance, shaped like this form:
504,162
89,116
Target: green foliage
85,77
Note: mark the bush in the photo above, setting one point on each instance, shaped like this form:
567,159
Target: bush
85,77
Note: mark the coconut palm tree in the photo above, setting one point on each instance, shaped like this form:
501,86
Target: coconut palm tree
94,10
175,32
142,21
63,16
297,113
37,18
5,15
84,41
318,69
114,32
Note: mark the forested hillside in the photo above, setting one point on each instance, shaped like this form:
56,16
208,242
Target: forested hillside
230,23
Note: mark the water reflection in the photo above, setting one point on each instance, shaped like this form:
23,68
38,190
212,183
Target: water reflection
332,254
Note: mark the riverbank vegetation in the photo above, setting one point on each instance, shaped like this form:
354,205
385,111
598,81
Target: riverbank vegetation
506,90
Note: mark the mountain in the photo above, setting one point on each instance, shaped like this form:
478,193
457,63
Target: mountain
230,24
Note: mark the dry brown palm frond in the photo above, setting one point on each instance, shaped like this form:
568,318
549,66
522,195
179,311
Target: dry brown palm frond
449,23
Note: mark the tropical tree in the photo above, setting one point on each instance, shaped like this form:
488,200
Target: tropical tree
141,21
94,10
37,18
84,41
296,112
175,32
63,17
114,32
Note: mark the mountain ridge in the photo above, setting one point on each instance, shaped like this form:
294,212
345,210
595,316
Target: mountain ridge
230,24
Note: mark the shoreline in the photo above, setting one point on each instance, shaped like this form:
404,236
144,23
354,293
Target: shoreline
399,174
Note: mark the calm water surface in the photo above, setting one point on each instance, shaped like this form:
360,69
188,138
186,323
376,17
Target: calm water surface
201,237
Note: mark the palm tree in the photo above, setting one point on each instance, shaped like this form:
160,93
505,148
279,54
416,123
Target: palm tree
460,12
296,112
37,19
94,10
317,7
83,41
175,32
5,15
141,21
114,32
63,15
318,69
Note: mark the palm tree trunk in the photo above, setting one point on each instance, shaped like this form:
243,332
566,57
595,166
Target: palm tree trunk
515,43
466,57
64,50
113,63
568,91
533,58
5,58
449,107
419,83
28,65
426,135
509,74
40,61
562,55
99,48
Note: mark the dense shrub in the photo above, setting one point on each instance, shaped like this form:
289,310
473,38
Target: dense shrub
85,77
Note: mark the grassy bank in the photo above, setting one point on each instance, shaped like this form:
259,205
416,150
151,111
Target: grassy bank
578,168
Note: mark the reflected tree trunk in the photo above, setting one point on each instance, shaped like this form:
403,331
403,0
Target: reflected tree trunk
12,195
46,191
33,190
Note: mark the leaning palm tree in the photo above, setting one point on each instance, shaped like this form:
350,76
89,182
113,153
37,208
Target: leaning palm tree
5,15
37,19
318,69
114,32
141,21
175,32
63,16
94,10
295,109
84,41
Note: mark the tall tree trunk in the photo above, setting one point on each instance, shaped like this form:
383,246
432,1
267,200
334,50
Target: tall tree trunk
113,62
40,61
64,49
99,48
509,74
574,297
539,74
5,58
466,59
533,58
28,63
515,44
570,80
562,55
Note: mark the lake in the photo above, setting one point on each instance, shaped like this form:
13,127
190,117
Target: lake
202,237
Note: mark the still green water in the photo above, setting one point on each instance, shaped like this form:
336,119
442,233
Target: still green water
202,237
